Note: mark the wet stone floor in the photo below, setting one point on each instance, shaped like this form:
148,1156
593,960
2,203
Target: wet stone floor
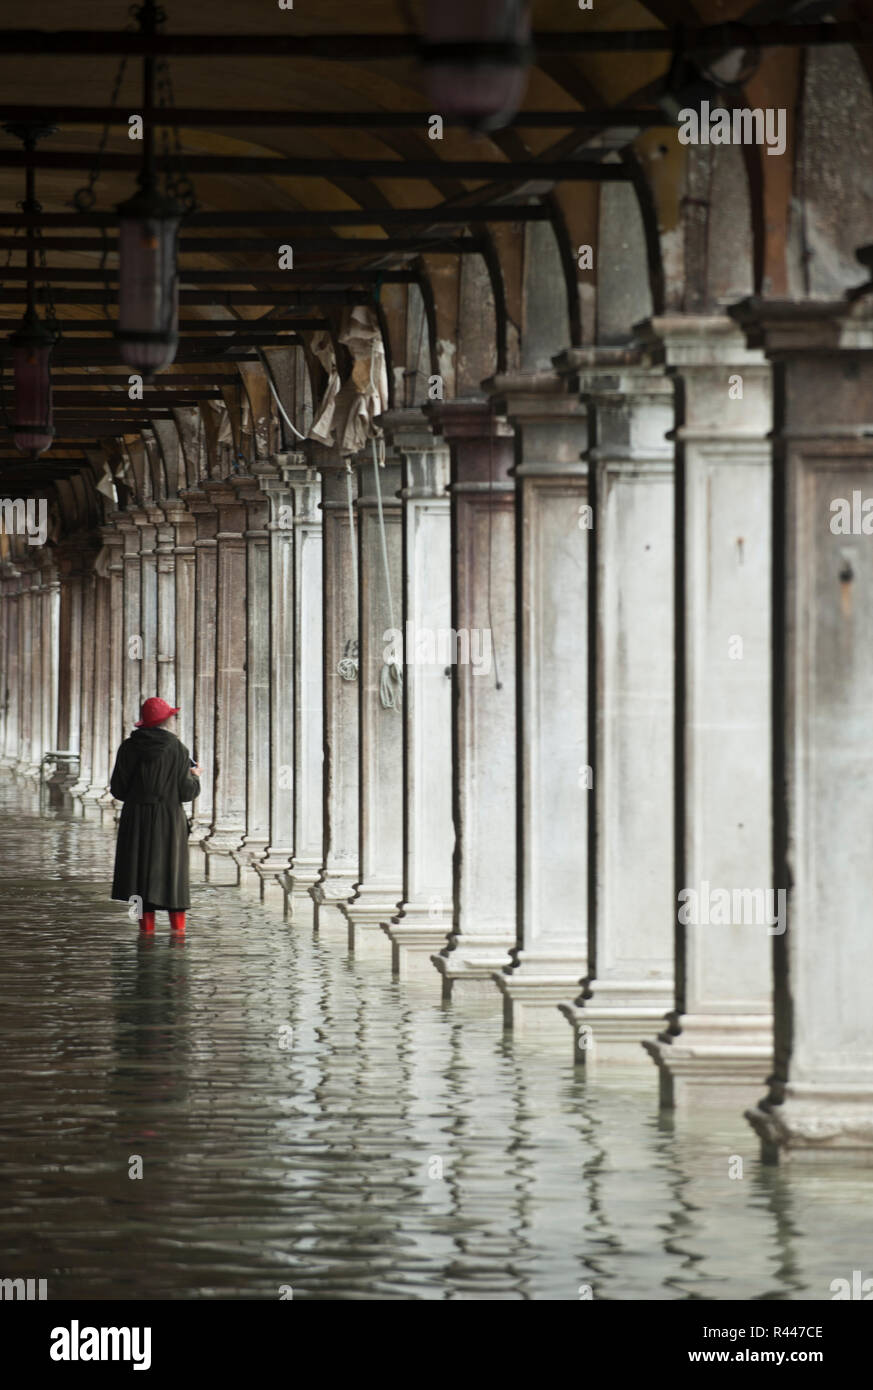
382,1146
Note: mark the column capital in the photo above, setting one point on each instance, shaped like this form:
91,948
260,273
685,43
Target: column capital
810,328
685,341
467,419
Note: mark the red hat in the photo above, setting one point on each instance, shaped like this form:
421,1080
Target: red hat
154,711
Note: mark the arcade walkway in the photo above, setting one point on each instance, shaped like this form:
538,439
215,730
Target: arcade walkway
316,1165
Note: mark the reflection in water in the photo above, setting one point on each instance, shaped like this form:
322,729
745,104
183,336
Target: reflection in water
302,1120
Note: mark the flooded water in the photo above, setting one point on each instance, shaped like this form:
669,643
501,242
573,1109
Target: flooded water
386,1147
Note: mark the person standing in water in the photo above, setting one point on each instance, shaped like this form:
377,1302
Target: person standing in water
153,775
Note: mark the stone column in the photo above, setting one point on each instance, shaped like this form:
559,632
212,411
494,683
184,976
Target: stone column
9,586
820,1100
165,579
50,617
719,1036
148,522
484,735
69,660
114,540
87,689
229,810
98,665
341,679
550,953
280,529
184,529
35,672
380,886
257,679
202,744
629,986
131,657
308,774
425,917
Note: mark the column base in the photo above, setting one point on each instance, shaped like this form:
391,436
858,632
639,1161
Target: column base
247,857
469,964
534,991
334,888
371,908
270,871
221,865
814,1124
714,1057
415,938
616,1018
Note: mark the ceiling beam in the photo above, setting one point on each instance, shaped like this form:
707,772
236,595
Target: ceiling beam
252,328
341,47
216,298
196,117
64,397
347,246
78,276
586,167
166,384
302,217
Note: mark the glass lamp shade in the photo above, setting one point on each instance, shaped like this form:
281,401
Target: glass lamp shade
148,299
32,427
483,91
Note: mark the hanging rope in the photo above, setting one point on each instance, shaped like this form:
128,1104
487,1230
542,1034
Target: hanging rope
347,666
282,411
391,679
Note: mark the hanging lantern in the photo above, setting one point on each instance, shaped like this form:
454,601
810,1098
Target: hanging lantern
476,55
148,301
32,345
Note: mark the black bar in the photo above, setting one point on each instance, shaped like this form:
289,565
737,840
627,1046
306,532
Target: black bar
194,116
381,47
300,217
269,166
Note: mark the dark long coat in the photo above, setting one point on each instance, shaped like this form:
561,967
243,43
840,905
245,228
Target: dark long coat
152,776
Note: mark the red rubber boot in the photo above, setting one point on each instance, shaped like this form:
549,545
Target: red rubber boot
147,922
177,921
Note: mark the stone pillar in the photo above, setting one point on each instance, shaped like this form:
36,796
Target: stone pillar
49,642
308,774
719,1036
27,654
229,810
341,679
35,672
165,579
69,660
87,690
425,917
820,1100
257,679
184,571
550,953
630,983
98,665
148,522
10,585
202,745
131,697
484,735
280,529
114,541
380,886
